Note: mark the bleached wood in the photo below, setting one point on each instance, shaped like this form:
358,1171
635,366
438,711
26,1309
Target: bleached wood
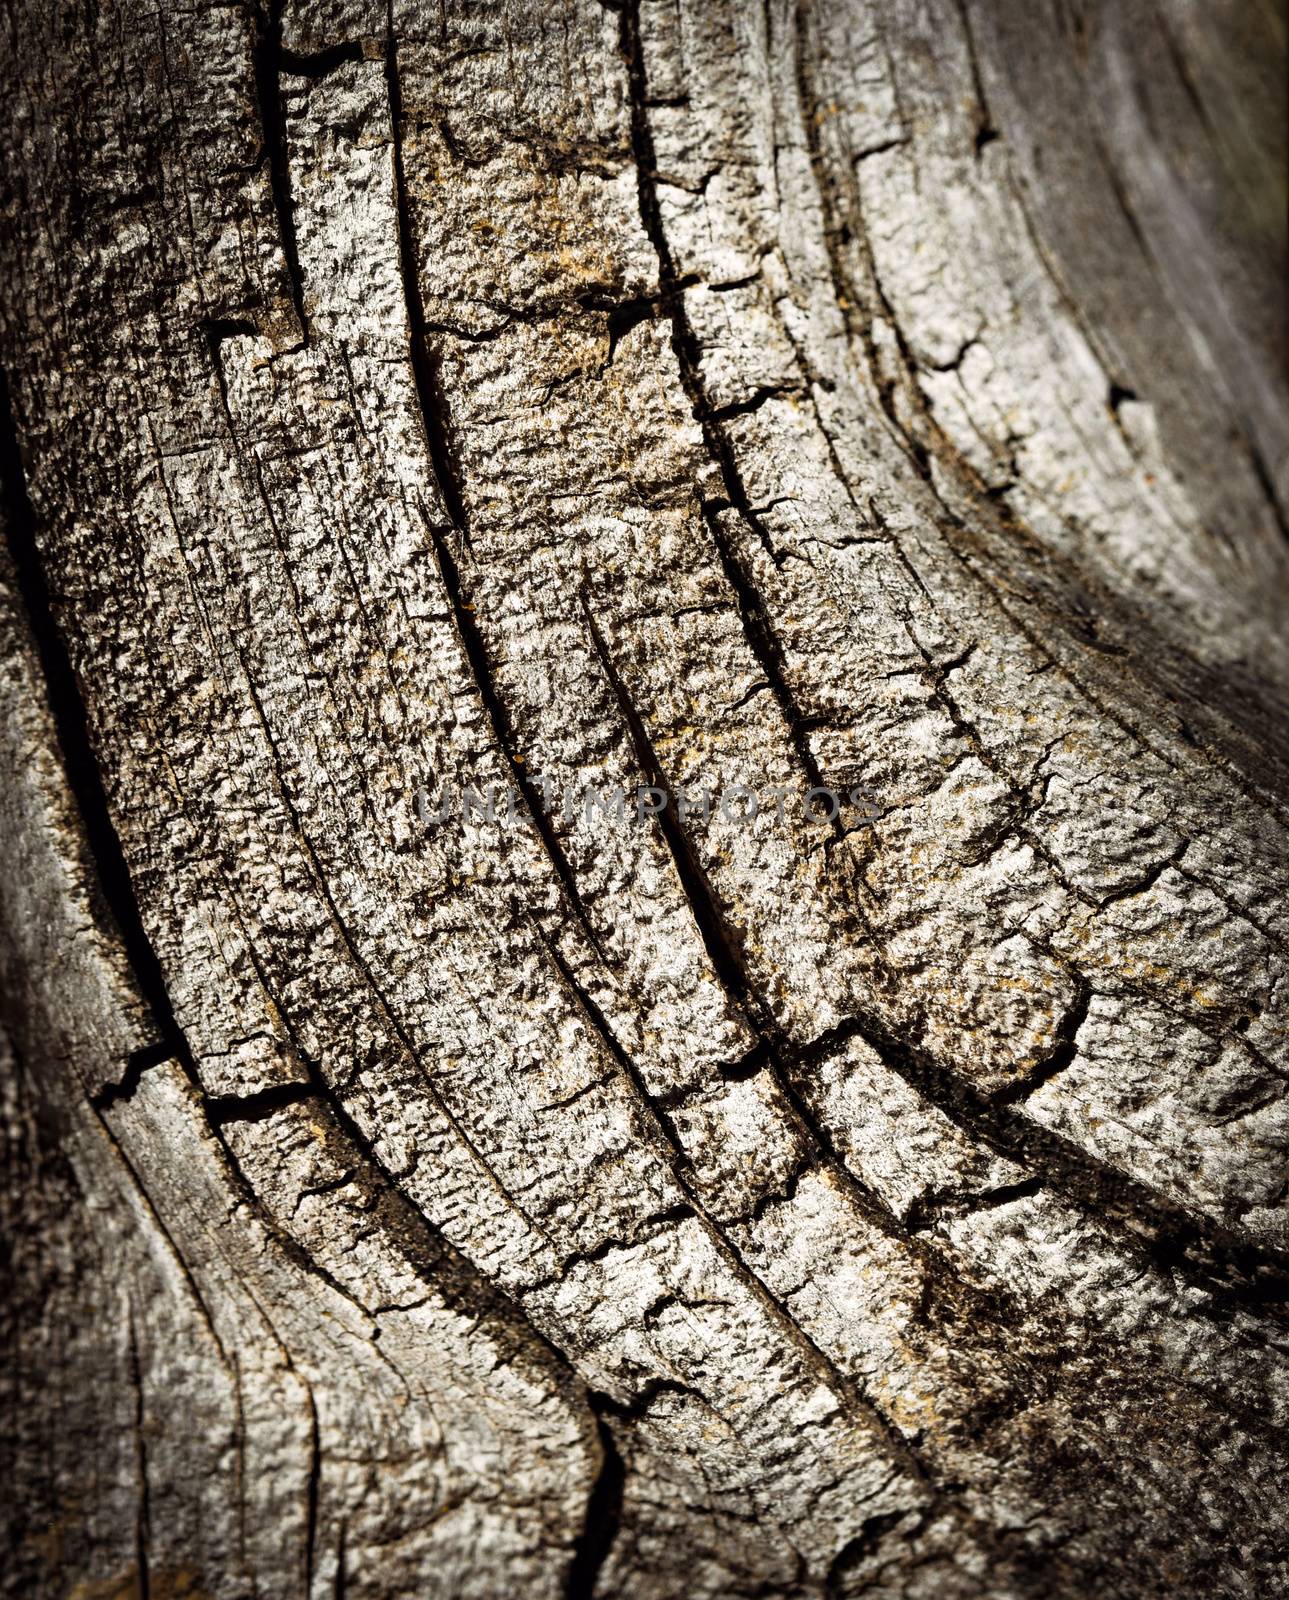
687,393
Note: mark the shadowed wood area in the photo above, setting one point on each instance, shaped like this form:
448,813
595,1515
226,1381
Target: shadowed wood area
541,397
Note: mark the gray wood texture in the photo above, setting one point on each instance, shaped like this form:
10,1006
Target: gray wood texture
679,392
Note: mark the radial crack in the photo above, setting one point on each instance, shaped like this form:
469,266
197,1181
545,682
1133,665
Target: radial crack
268,84
603,1514
110,888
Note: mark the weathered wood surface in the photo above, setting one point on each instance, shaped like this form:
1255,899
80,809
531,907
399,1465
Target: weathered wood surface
707,392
